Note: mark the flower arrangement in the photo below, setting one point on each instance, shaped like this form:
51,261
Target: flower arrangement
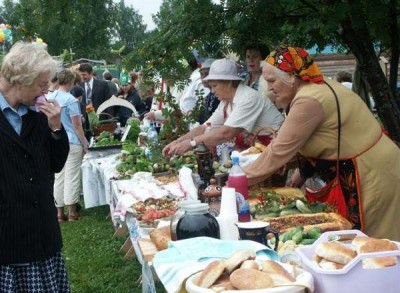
92,117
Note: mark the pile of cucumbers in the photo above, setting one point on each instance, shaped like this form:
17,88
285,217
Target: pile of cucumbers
271,204
299,236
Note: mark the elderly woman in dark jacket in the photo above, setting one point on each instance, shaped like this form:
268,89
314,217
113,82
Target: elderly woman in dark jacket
33,146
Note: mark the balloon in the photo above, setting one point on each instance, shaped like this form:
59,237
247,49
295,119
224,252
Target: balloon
2,25
8,26
39,41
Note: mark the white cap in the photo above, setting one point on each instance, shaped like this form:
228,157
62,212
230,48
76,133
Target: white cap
223,69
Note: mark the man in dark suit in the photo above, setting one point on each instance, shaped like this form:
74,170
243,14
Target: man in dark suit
95,92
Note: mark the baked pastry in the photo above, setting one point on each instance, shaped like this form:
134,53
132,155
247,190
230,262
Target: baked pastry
160,237
236,259
324,221
335,252
249,264
211,273
278,273
250,279
378,245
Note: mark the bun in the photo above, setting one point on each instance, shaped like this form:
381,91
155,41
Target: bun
160,237
249,264
335,252
279,274
330,265
236,259
250,279
359,241
211,273
377,245
222,284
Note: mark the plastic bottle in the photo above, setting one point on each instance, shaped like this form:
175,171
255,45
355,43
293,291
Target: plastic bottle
238,180
208,129
118,133
152,136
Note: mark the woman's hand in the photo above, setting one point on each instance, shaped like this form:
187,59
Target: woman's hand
180,148
167,149
53,112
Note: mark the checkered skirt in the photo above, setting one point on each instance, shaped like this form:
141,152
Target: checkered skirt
49,275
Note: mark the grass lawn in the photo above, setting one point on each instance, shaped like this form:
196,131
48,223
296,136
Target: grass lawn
93,259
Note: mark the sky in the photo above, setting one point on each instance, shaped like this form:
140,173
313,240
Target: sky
145,8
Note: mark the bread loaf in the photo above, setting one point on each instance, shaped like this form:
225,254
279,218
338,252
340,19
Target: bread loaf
378,245
211,273
249,264
329,265
236,259
250,279
279,274
160,237
335,252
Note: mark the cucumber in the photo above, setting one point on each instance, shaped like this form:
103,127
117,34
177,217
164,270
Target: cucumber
307,241
302,207
314,233
298,237
289,212
289,206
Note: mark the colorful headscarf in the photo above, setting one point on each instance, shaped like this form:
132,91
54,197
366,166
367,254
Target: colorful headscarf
297,61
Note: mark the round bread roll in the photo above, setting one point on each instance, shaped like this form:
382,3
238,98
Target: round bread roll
377,245
250,279
249,264
330,265
278,273
236,259
335,252
211,273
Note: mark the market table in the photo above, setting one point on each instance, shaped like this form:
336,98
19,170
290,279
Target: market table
97,167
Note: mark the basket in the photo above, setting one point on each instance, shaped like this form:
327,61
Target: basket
278,179
105,125
353,277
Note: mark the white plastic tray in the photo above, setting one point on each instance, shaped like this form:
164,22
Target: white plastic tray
352,277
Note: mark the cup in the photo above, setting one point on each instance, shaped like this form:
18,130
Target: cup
228,202
257,231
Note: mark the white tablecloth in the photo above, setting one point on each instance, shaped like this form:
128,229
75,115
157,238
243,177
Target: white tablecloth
98,167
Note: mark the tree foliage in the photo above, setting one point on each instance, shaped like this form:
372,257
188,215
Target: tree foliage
90,28
364,28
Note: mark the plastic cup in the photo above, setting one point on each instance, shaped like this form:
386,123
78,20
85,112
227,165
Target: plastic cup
228,202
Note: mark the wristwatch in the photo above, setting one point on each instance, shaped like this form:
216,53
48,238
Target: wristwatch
193,143
56,131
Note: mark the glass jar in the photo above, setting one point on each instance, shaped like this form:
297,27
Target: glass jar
178,214
197,221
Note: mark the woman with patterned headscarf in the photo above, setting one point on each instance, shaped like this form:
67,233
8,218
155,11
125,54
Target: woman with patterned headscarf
326,132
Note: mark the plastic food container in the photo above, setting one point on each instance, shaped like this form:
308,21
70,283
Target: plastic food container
352,277
302,275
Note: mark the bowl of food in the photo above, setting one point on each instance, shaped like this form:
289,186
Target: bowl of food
242,272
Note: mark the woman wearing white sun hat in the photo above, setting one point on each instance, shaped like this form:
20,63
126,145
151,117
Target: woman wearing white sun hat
241,112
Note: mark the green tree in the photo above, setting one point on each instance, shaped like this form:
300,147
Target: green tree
128,29
363,28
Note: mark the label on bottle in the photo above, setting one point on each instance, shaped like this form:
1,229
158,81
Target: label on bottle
243,208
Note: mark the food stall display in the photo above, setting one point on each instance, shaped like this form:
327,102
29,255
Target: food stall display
146,187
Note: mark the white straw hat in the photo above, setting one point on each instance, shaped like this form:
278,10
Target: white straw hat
223,69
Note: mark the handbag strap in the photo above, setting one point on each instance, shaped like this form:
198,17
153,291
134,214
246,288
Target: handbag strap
339,123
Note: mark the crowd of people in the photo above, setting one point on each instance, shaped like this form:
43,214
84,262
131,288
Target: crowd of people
320,123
